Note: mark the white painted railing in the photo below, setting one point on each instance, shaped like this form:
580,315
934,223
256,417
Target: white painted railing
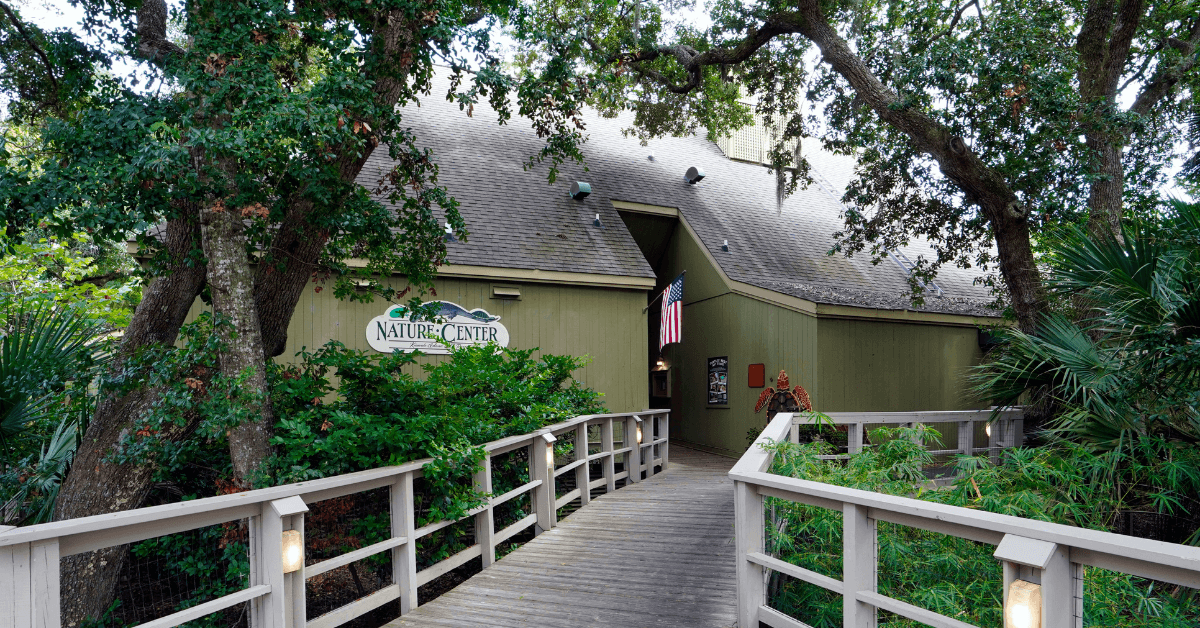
1002,428
29,557
1035,551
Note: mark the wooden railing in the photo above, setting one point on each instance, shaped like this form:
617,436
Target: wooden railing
1002,428
1049,554
29,556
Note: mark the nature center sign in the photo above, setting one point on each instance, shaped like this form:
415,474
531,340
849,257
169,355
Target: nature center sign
396,329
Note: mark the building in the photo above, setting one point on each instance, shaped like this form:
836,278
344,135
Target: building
582,276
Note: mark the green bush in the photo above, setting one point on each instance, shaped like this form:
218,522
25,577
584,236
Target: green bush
1068,484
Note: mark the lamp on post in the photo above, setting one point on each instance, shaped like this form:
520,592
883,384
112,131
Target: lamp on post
549,438
1023,608
293,551
1038,586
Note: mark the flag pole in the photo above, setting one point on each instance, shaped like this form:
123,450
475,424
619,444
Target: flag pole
660,294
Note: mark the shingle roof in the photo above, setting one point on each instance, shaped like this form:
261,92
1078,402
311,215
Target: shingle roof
517,220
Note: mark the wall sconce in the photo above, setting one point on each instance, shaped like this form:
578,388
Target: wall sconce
293,551
1023,609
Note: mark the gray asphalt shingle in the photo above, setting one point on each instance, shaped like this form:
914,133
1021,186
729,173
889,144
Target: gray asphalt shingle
517,219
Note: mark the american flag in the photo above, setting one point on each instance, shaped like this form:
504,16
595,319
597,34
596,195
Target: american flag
671,328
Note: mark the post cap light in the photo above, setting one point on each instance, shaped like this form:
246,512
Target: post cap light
987,429
293,551
1023,609
549,438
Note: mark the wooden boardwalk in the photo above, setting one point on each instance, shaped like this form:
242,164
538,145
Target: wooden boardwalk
658,553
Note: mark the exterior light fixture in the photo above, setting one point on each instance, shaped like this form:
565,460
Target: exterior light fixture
660,363
987,429
293,551
1023,609
549,438
580,190
639,429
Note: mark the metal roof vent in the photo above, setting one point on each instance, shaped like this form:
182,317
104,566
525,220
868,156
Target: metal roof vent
694,175
725,246
580,190
449,236
597,221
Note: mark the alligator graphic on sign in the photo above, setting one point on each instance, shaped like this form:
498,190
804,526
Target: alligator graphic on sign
398,330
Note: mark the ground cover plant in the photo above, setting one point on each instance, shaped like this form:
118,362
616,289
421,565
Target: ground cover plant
1066,483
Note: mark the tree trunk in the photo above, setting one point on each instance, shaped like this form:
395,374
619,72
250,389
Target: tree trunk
96,486
232,287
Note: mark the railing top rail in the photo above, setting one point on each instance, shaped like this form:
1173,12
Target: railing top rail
933,416
239,505
753,466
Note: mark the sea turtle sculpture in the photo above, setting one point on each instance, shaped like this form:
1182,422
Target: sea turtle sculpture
783,399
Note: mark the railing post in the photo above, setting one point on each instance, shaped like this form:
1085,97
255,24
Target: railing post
633,459
583,475
485,522
541,467
664,424
749,532
404,557
859,566
284,606
966,437
648,444
609,461
1047,565
44,584
854,438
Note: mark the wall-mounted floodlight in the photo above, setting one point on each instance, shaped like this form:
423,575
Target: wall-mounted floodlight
580,190
293,551
1023,609
694,175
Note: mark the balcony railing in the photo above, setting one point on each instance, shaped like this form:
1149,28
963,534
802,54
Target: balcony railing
1048,554
29,556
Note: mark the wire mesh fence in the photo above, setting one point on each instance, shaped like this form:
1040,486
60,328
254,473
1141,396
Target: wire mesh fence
335,527
171,573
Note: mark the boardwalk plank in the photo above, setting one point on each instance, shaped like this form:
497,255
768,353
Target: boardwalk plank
658,554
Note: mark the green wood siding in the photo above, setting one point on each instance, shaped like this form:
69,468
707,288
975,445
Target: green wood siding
748,332
893,367
844,364
604,323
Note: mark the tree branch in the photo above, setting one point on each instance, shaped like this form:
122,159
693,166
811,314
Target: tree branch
694,62
16,22
1166,78
954,21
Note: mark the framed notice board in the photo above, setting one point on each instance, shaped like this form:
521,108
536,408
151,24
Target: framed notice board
718,381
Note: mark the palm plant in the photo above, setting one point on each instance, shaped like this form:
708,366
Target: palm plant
42,349
45,354
1132,367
